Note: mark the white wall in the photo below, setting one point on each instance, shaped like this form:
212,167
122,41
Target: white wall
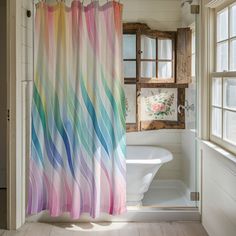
158,14
218,191
3,95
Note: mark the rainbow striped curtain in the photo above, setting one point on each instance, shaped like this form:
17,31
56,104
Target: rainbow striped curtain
77,162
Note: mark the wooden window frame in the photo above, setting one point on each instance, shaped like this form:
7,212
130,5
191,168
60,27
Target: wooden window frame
139,29
221,141
159,35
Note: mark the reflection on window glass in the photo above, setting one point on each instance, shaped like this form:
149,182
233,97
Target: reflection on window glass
222,25
148,69
129,69
222,56
216,121
164,70
129,46
230,126
230,93
148,47
233,54
164,49
217,92
233,21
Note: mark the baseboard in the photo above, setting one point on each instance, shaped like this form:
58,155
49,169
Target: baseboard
132,215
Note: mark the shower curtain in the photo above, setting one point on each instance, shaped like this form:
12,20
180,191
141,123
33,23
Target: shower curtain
77,162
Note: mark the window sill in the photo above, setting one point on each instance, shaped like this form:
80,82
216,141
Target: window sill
223,152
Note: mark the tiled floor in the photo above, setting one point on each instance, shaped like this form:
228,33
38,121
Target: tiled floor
110,229
165,197
3,209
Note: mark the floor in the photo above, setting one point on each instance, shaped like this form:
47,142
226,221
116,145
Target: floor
168,197
110,229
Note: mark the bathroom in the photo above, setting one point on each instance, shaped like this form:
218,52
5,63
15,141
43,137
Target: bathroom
170,186
168,143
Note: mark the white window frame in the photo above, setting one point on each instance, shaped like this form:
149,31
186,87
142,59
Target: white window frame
223,75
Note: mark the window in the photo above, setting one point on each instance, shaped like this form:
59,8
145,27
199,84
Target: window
157,58
223,80
153,91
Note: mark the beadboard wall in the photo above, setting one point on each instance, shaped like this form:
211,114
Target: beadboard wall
218,191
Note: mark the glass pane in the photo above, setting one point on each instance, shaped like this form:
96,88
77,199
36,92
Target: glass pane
148,47
164,70
233,21
222,56
148,69
216,121
129,46
230,126
217,92
230,93
233,55
164,49
130,69
222,25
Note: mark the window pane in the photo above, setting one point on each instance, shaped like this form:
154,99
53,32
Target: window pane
216,121
148,47
230,126
222,56
148,69
217,92
164,70
129,46
233,21
222,25
164,49
230,93
129,69
233,55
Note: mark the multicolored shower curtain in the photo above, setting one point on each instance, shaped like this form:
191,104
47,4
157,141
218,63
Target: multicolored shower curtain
77,162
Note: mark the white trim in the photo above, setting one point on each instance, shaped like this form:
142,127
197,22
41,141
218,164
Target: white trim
144,214
217,3
221,151
15,160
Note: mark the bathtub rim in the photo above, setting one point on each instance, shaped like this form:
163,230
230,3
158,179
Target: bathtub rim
159,160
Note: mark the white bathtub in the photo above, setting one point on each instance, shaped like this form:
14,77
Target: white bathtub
143,162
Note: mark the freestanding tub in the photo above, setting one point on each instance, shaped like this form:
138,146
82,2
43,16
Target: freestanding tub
142,163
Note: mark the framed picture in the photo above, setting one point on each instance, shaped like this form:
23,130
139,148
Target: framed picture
159,104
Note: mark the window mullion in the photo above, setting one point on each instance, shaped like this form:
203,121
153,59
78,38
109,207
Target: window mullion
222,108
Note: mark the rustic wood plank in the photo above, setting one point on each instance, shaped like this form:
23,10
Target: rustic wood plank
184,56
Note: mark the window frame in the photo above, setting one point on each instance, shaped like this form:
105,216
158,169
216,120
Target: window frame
139,29
154,34
221,141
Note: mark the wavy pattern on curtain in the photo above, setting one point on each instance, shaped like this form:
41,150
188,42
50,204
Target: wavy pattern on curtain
77,160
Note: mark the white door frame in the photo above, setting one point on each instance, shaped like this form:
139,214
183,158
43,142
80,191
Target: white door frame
15,160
